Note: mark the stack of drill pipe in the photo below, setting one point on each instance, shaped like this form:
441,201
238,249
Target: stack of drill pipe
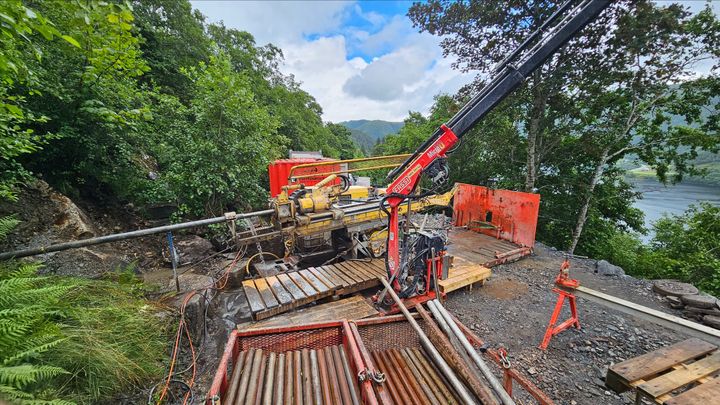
452,379
301,377
412,379
450,327
454,356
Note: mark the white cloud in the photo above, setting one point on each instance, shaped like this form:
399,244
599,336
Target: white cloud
407,72
277,22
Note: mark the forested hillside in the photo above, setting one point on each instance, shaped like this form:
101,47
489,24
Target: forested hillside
367,133
145,102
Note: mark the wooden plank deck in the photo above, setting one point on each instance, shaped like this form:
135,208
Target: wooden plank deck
354,307
473,254
269,296
482,249
682,374
463,273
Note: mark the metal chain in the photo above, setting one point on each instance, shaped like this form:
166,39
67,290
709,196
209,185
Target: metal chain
503,358
378,377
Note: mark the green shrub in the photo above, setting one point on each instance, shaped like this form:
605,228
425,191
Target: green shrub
685,247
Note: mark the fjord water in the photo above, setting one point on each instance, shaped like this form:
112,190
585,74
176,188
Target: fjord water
659,199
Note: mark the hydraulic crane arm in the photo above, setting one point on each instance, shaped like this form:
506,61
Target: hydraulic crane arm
430,157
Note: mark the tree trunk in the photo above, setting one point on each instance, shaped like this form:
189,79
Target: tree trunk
531,173
582,215
537,113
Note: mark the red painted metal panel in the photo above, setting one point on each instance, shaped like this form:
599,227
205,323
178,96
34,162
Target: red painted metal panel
279,171
505,214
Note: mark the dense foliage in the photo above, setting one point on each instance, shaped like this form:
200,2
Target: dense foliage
68,340
685,247
145,102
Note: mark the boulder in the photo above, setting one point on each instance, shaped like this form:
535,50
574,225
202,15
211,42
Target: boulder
605,268
712,320
192,248
674,302
704,311
673,288
700,301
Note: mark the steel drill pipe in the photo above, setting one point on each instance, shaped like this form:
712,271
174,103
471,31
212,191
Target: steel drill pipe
456,361
392,372
315,373
259,389
389,379
235,378
494,383
433,376
332,373
230,216
250,360
424,384
342,381
280,384
416,394
326,389
465,396
252,387
269,381
306,378
289,370
297,377
349,377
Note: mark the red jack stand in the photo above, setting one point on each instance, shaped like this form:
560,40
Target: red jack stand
563,280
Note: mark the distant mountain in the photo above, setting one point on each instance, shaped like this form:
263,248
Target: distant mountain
366,133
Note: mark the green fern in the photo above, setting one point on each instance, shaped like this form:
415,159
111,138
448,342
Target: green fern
7,224
71,338
25,374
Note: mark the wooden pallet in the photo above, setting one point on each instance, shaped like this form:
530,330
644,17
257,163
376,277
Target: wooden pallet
483,249
682,374
351,308
463,273
268,296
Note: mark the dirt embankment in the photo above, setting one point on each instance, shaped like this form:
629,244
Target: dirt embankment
48,217
513,309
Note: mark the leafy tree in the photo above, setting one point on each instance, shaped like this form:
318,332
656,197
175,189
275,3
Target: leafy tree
480,34
637,85
297,112
687,247
91,98
172,38
18,80
613,88
341,140
213,153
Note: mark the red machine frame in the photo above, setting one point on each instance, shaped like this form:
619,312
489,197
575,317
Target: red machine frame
405,184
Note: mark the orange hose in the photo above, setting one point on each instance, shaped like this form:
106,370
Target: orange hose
182,326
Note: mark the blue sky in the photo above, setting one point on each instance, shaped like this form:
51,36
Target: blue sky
370,17
359,59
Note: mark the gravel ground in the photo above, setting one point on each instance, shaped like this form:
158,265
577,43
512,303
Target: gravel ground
513,309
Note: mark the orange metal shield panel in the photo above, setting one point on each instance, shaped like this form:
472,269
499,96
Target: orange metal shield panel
505,214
